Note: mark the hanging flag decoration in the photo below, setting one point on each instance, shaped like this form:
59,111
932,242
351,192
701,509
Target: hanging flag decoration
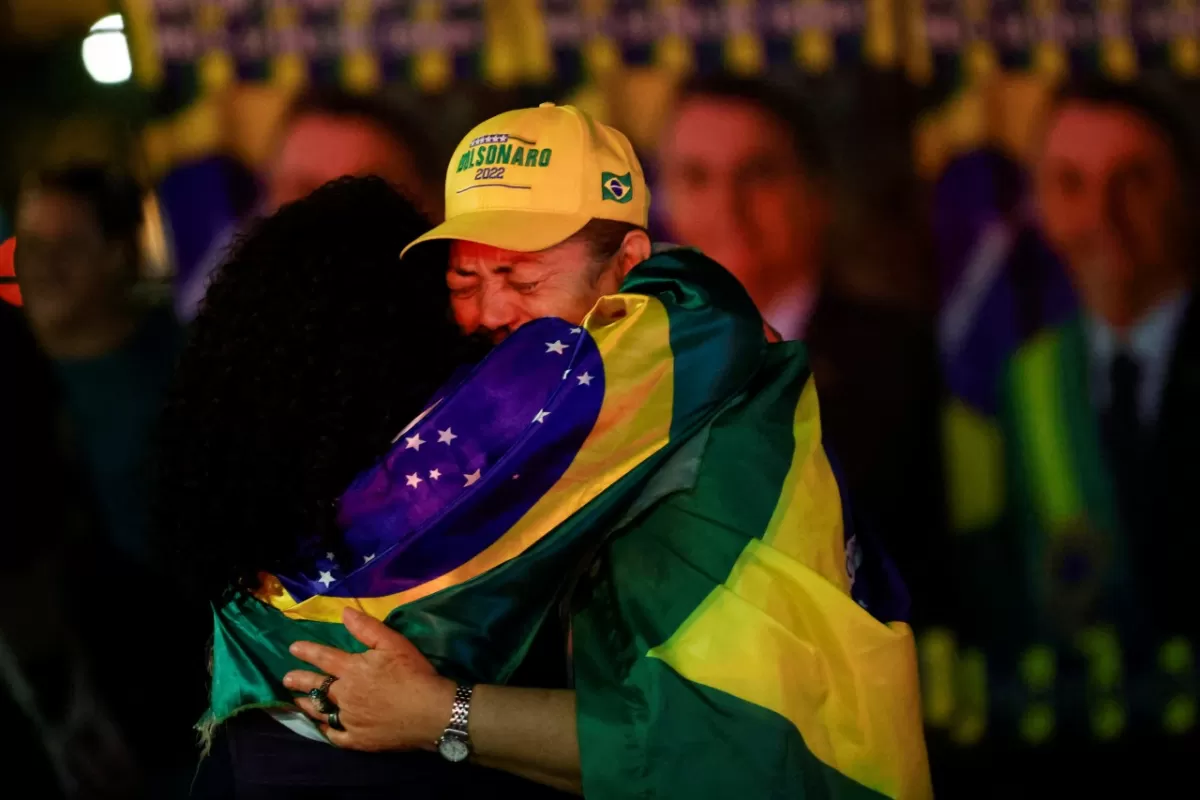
188,47
185,47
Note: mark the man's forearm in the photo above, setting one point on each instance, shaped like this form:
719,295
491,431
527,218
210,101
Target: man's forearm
528,732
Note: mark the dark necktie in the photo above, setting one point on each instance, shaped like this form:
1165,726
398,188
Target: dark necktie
1123,431
1124,377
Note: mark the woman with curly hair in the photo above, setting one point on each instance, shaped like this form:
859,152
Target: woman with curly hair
314,347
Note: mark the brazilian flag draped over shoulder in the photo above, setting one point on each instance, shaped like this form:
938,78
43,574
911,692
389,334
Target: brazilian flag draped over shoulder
659,472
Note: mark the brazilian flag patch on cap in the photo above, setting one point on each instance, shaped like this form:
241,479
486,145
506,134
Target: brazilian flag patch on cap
618,188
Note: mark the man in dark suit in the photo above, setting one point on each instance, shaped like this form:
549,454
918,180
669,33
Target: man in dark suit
64,741
1080,597
747,177
1116,189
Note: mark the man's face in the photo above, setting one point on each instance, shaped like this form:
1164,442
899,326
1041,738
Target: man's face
317,149
736,190
66,268
1110,203
494,291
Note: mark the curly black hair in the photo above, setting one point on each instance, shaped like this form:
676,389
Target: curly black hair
314,347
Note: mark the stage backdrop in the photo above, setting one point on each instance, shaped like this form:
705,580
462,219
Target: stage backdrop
962,82
190,45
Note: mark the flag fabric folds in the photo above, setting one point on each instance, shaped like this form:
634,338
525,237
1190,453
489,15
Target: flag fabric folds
734,642
660,466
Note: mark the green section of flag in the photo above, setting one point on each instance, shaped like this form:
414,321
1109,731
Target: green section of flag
684,278
618,188
250,656
645,730
710,745
655,574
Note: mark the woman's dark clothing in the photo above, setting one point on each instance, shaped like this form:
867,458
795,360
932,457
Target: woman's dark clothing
256,758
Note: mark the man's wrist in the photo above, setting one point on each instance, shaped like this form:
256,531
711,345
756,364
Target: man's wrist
454,744
437,717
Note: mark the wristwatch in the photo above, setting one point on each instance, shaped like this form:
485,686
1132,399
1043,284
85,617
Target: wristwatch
455,744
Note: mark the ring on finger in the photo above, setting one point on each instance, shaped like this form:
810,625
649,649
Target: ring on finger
335,720
320,696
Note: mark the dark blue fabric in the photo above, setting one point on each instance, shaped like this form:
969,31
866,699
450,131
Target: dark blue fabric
458,479
113,402
979,192
876,583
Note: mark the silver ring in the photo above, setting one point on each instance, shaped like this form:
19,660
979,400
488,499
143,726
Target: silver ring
320,696
335,721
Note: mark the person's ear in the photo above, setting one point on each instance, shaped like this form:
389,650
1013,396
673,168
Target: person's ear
634,250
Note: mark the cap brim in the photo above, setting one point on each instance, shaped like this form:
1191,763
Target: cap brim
522,231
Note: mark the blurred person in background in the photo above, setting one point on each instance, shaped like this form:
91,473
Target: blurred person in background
328,134
64,742
746,177
77,263
1091,652
9,291
26,467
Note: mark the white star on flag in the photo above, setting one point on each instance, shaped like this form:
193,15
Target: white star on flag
447,436
576,330
585,379
368,559
556,347
541,416
434,474
413,442
473,478
329,556
414,480
326,578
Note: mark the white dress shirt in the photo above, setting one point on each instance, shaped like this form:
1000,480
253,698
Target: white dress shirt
1150,342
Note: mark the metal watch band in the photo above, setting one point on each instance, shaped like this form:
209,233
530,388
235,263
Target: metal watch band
460,712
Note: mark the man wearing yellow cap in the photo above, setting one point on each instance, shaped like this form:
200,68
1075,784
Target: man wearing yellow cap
731,633
546,211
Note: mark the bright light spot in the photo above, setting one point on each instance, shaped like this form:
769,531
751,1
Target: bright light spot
113,22
106,51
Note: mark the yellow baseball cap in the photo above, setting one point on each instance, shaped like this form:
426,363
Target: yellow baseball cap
529,179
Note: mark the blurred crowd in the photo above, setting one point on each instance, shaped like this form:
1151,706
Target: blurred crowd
1023,444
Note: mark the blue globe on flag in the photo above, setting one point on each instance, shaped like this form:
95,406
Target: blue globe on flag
617,188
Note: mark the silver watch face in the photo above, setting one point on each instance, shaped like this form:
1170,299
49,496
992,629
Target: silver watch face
453,747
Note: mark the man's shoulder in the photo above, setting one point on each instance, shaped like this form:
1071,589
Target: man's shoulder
663,254
659,248
755,426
